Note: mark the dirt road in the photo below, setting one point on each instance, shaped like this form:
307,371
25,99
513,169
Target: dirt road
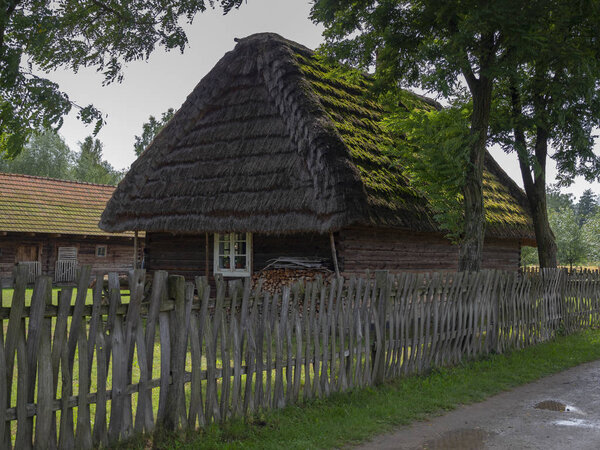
561,411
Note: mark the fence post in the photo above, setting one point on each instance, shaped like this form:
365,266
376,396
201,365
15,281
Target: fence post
383,296
497,289
175,400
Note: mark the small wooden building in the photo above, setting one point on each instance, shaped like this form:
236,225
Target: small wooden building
51,226
276,154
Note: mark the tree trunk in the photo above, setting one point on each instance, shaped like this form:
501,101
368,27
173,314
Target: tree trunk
535,189
546,243
471,246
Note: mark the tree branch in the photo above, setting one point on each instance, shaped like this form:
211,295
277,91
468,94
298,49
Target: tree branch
107,8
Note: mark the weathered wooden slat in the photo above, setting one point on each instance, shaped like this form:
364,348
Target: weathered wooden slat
3,392
298,360
114,294
225,406
45,435
211,411
24,430
288,383
67,432
41,293
144,417
268,305
118,425
100,433
83,435
95,319
237,335
15,328
278,395
175,405
197,325
260,342
251,347
77,317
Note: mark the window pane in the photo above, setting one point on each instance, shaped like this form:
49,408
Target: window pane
240,248
224,248
240,262
240,236
224,262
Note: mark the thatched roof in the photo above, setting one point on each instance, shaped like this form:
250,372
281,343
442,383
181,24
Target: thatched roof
273,140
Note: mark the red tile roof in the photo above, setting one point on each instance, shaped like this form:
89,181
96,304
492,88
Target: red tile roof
47,205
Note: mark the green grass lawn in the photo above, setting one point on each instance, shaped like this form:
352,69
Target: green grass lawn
7,295
349,418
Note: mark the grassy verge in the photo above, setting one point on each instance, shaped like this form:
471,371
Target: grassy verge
352,417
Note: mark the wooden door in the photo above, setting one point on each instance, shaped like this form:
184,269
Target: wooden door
27,253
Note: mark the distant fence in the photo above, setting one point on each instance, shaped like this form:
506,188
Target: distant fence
65,271
34,269
173,356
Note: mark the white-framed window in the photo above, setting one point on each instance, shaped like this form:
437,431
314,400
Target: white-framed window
101,251
232,254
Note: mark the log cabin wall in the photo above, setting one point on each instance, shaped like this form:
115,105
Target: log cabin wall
185,254
119,253
360,248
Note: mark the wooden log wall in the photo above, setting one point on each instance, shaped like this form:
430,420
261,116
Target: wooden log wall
397,251
119,255
119,364
185,254
357,249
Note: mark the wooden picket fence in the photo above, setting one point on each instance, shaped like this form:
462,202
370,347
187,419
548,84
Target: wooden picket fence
173,355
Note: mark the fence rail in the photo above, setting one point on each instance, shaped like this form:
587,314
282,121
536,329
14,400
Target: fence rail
172,355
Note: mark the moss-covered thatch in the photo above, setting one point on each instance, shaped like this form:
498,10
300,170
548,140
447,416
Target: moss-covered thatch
274,140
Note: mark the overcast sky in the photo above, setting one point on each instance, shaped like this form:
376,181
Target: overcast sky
164,81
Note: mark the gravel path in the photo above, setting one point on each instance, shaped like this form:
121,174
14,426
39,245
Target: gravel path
567,417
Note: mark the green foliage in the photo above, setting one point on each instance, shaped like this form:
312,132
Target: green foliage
150,129
529,256
587,206
591,236
557,199
90,166
436,157
45,155
572,248
548,94
71,34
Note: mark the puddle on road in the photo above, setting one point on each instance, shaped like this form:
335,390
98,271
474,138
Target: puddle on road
464,439
553,405
579,423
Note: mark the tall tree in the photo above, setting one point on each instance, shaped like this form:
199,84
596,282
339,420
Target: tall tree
591,237
90,166
548,103
45,155
557,199
569,237
587,206
151,129
432,43
105,34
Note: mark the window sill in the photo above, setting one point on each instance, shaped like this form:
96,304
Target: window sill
241,273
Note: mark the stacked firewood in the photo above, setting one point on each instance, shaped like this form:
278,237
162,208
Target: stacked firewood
274,279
